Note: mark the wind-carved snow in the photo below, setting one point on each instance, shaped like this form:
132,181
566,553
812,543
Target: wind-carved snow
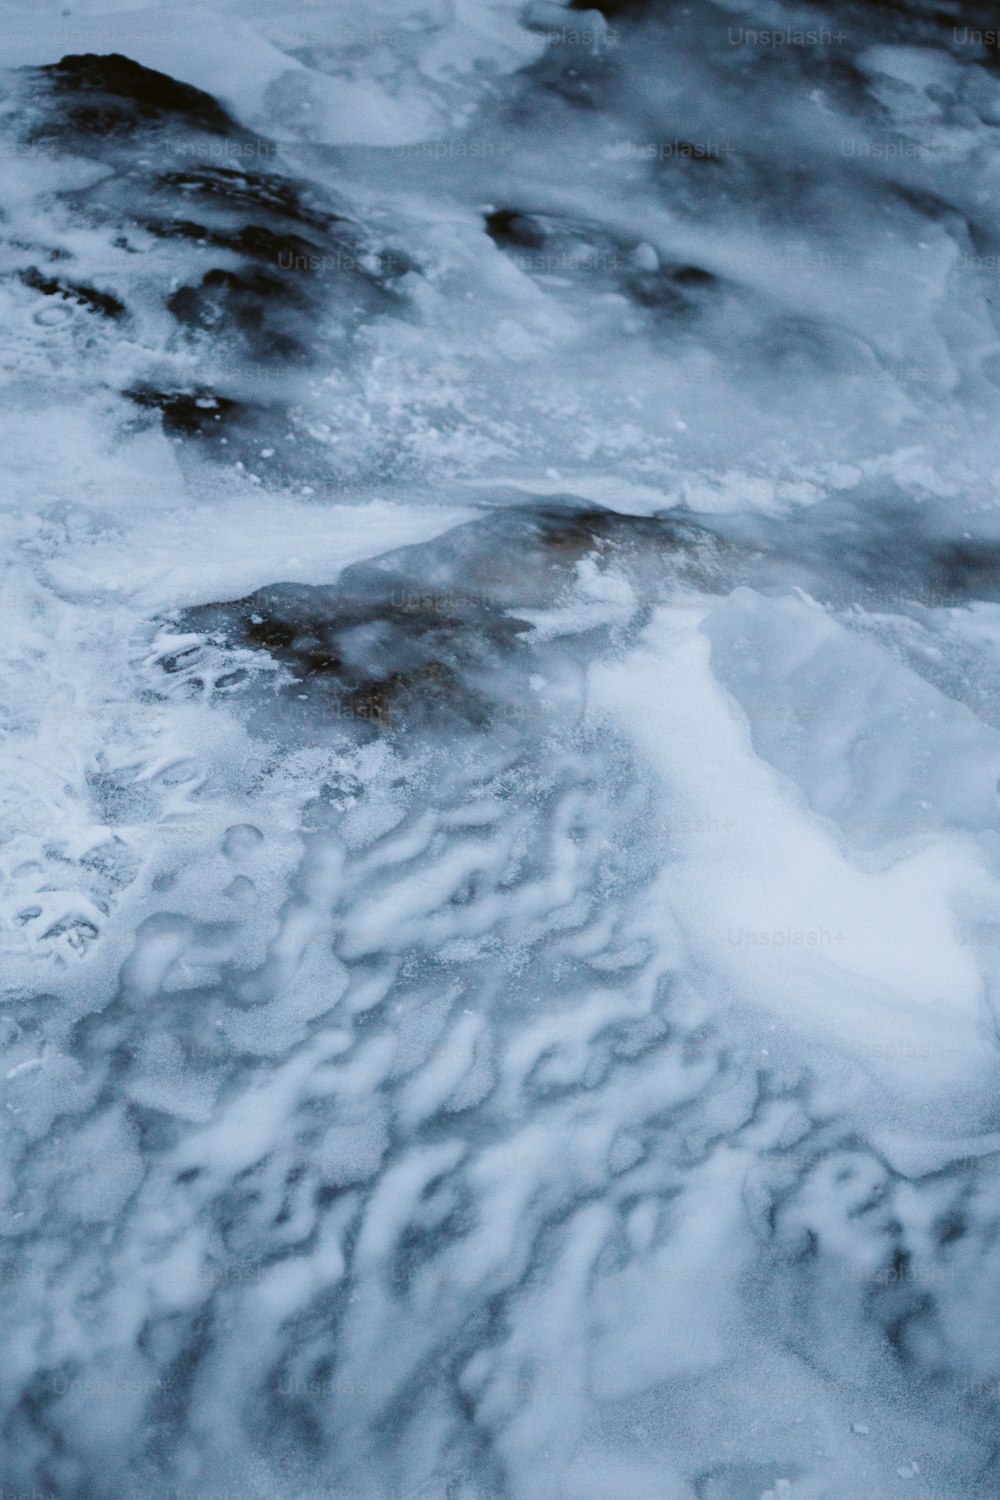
500,754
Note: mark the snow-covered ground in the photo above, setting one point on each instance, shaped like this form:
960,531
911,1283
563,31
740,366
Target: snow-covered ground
500,693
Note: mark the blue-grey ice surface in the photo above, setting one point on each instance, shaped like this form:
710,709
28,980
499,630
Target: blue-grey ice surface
499,814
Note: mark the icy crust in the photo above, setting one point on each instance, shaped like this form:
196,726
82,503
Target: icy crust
383,73
179,261
420,1123
100,762
498,972
684,266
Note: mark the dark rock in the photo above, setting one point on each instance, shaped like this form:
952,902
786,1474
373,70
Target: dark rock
104,303
228,302
620,10
109,93
238,187
371,660
507,227
198,413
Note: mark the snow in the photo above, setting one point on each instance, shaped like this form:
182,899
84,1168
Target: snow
499,814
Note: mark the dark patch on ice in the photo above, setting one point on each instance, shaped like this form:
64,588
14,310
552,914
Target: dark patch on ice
867,546
968,570
742,1481
665,289
542,243
693,276
929,10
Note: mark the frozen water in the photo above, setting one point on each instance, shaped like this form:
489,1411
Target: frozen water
499,813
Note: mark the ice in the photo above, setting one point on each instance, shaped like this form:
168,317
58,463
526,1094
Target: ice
796,912
499,741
